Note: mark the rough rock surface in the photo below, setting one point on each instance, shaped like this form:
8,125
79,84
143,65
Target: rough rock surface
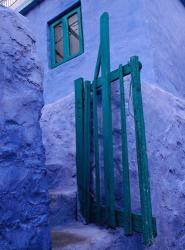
58,129
23,183
164,120
62,207
165,126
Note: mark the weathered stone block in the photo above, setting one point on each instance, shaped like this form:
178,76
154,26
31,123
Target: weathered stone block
23,183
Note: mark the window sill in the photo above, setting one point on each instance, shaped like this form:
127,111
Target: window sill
66,60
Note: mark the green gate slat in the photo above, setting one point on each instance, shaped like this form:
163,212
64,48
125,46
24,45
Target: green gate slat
96,149
79,113
95,134
93,210
107,121
126,181
86,150
141,152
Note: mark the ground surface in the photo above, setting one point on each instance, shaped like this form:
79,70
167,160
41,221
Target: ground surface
77,236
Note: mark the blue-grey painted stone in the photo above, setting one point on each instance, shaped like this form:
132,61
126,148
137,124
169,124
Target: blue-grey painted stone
164,119
62,207
23,183
58,129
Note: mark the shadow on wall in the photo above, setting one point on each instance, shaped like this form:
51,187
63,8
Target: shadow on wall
183,2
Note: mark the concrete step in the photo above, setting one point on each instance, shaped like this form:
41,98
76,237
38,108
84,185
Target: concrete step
62,207
76,236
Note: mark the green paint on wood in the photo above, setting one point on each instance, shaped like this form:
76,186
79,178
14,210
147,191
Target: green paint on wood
141,152
79,117
126,182
107,120
95,134
96,148
86,153
137,222
93,210
114,75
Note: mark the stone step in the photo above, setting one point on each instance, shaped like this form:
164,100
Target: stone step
62,207
76,236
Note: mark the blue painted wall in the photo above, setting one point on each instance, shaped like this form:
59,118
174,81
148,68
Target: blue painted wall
153,30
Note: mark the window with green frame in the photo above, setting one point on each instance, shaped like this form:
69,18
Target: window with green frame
66,37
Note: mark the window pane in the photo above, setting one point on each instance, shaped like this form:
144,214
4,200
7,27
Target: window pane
59,47
73,34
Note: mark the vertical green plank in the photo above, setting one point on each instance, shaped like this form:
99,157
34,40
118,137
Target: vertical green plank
95,134
107,121
96,150
86,150
126,181
79,138
141,152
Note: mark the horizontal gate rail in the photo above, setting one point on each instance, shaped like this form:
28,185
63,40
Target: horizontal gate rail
137,221
114,75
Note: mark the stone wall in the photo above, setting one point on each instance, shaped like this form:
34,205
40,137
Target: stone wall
154,31
164,122
23,184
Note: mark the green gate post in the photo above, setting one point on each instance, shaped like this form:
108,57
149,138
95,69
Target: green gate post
95,134
79,116
107,120
141,152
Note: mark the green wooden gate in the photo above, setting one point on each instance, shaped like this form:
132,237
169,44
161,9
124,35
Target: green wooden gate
92,209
